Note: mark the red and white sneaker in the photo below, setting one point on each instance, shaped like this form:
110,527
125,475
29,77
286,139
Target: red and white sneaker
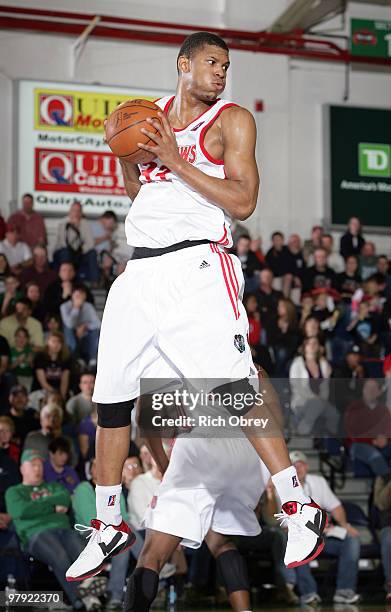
306,524
105,541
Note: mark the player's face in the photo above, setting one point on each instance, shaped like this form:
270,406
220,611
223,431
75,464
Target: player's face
207,73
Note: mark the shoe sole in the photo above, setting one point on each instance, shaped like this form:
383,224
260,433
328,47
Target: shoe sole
347,601
318,547
128,544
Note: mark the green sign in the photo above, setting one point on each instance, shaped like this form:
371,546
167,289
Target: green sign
360,164
372,38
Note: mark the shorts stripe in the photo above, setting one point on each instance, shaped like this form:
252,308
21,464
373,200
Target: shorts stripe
224,240
230,288
234,280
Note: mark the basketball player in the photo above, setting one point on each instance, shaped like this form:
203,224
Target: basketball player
179,299
193,504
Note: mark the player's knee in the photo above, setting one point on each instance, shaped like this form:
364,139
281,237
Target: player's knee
150,557
237,397
115,415
233,570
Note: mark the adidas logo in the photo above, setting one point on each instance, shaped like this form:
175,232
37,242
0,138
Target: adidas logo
204,264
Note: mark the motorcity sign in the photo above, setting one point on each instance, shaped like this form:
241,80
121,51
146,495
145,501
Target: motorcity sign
370,38
61,154
359,158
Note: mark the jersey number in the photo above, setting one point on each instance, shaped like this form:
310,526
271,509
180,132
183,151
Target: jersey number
150,173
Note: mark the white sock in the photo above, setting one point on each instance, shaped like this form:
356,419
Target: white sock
108,507
288,486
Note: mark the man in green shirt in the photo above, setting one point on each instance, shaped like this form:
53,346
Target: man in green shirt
39,513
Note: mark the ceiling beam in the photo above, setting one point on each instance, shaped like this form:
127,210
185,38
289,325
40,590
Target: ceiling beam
305,14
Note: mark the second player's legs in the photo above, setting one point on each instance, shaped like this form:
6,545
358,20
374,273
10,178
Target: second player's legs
143,583
232,568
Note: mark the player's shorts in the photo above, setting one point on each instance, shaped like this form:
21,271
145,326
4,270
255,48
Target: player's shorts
182,309
209,484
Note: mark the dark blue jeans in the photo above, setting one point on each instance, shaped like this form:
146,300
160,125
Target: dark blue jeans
58,548
348,553
86,265
88,344
378,459
385,544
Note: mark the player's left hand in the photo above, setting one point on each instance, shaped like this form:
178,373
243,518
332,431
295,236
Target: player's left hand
164,144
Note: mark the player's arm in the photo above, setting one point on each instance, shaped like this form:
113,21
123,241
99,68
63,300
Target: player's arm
237,194
131,178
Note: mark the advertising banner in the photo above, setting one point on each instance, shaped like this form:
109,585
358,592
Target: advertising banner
370,38
61,154
359,157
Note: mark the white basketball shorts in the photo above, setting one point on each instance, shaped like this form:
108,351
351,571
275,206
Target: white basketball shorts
209,484
177,315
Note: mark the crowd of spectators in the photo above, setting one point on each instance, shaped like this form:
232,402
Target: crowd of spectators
315,315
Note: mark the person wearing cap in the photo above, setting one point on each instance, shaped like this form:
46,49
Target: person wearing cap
39,513
24,418
29,224
345,544
17,252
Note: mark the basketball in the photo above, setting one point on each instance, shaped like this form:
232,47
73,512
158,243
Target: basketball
123,130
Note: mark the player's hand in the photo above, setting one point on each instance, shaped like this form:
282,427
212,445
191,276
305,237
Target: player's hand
164,144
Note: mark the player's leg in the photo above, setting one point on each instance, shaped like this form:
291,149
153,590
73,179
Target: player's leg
143,583
232,568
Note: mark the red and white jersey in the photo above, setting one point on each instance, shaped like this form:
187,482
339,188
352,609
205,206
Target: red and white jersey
167,210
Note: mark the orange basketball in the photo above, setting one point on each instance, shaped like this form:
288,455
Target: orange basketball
123,130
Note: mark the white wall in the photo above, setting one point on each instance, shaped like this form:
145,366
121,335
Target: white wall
290,148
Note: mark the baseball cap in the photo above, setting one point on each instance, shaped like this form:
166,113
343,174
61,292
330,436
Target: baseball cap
18,389
298,456
30,454
354,349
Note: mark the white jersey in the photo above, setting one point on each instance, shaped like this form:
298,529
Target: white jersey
167,210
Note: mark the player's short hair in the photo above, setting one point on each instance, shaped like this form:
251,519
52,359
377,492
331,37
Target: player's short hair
196,41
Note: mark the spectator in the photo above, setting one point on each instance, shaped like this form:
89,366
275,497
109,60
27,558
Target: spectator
309,376
276,258
311,329
334,259
52,366
364,329
324,308
145,458
2,227
352,241
346,547
22,358
84,509
314,242
142,489
39,272
249,261
283,336
7,432
368,427
294,268
80,405
368,260
319,275
103,231
267,298
9,476
22,318
81,325
10,296
24,418
260,353
29,224
56,468
5,271
17,252
349,378
50,418
385,326
382,501
256,248
348,281
132,468
87,434
75,243
33,293
39,512
60,291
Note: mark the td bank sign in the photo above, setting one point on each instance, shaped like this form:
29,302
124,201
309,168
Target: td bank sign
374,159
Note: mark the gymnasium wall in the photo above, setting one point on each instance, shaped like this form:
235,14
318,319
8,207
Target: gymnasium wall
290,144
